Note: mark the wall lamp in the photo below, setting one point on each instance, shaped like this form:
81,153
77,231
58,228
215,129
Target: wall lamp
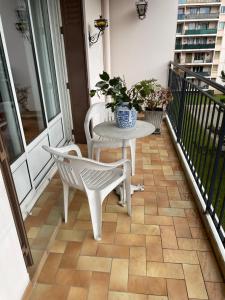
101,24
142,6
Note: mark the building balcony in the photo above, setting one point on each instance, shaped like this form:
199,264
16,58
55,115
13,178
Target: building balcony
198,16
195,46
200,31
199,2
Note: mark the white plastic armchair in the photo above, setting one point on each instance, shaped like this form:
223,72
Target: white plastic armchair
96,179
96,114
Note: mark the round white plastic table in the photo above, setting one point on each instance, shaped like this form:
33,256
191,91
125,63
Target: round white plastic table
110,130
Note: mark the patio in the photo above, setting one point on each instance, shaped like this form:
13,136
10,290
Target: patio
161,253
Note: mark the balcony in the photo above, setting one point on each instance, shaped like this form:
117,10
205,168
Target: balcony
198,16
194,46
201,31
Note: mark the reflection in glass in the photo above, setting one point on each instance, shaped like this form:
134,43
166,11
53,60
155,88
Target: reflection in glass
9,125
40,18
19,43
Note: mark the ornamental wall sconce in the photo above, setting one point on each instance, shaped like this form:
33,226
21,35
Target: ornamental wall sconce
142,6
22,24
101,24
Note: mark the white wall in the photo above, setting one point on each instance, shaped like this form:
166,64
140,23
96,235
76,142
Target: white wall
142,49
13,275
95,52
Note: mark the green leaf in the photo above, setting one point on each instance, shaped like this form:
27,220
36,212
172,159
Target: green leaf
92,93
100,84
104,76
115,81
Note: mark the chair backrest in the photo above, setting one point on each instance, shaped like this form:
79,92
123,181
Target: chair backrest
96,114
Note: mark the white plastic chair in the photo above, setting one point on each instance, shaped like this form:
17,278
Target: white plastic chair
96,114
96,179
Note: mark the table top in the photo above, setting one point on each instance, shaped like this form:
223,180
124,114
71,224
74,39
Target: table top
110,130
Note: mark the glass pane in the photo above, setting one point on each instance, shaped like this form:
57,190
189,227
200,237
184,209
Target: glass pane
40,18
22,60
9,124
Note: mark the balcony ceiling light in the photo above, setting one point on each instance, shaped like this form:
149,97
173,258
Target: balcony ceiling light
141,6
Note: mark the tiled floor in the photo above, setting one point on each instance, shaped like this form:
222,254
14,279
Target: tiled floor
160,253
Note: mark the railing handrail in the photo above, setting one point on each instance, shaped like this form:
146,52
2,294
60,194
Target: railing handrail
215,85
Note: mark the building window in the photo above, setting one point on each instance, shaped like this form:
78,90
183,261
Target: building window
221,25
222,9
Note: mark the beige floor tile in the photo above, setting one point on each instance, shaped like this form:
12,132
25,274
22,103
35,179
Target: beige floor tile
50,292
210,269
123,227
82,225
119,275
145,229
180,256
70,256
198,233
73,277
154,248
147,285
130,239
43,237
71,235
137,263
126,296
137,216
99,286
165,270
158,220
172,212
113,251
50,268
168,236
89,245
181,227
109,217
193,244
58,246
90,263
181,204
84,212
33,232
176,289
77,293
194,281
115,209
216,291
153,297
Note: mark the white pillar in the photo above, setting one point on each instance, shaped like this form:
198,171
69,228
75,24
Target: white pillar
106,38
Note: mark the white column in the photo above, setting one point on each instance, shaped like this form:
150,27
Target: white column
106,37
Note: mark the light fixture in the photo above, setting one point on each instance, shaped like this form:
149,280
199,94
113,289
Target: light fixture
22,24
142,6
101,24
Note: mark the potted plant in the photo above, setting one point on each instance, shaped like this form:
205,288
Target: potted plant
124,102
155,99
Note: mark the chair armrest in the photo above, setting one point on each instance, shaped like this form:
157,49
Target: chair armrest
67,149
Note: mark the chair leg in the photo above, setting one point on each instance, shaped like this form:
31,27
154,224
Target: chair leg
96,216
65,199
128,195
133,155
98,152
90,150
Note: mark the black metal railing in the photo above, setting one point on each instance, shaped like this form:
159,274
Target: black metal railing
198,120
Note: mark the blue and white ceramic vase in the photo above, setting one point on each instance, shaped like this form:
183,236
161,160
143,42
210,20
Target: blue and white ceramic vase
125,117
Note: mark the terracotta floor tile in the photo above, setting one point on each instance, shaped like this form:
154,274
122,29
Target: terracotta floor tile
113,251
180,256
172,212
147,285
194,281
209,266
216,291
119,275
90,263
145,229
50,268
198,233
193,244
109,217
33,232
71,235
99,286
154,248
50,292
82,225
115,209
58,246
137,263
168,236
89,245
181,227
130,239
181,204
165,270
73,277
153,297
158,220
77,293
71,254
42,239
126,296
176,289
138,215
123,227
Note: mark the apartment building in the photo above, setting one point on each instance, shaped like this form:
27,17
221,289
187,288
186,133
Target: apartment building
200,41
